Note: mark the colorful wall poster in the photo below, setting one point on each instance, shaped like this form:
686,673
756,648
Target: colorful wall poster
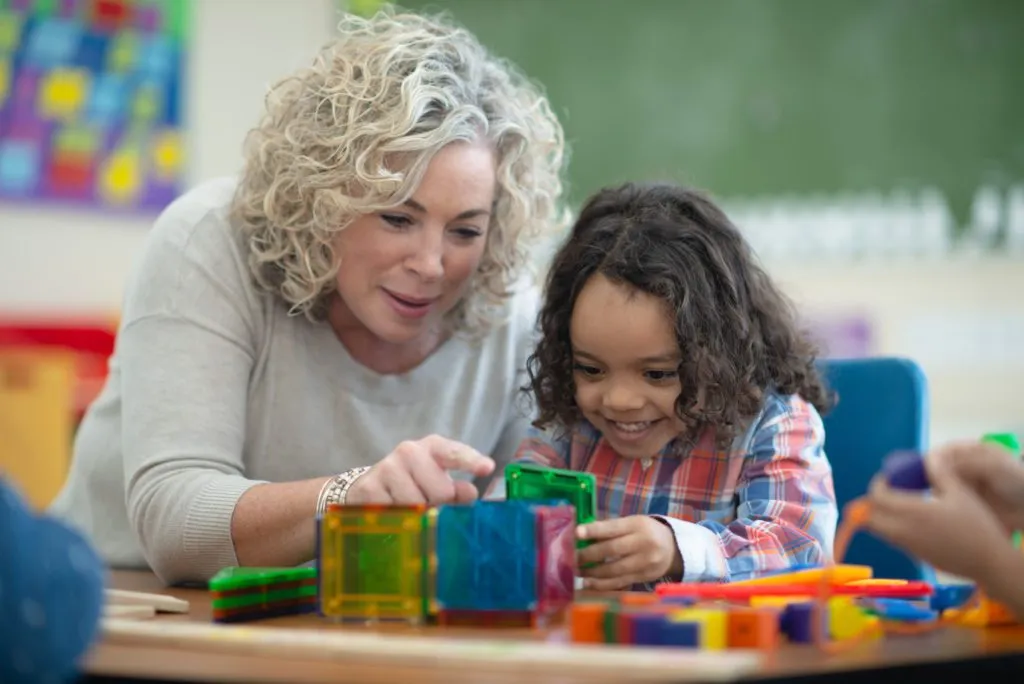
91,102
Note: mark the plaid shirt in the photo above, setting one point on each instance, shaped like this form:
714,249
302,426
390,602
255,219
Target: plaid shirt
765,504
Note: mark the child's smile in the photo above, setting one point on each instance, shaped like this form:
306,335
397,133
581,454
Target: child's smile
625,366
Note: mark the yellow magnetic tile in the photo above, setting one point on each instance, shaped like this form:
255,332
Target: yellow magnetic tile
713,625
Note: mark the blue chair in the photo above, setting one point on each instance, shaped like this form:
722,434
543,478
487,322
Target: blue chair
882,406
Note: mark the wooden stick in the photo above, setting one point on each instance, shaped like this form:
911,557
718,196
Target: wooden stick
350,646
112,610
160,602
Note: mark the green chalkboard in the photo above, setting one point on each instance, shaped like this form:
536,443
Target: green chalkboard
767,97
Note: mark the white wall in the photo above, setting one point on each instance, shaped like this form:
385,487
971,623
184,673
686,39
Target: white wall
961,318
56,261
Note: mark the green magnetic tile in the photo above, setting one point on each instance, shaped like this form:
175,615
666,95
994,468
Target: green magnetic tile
231,579
530,482
525,481
256,598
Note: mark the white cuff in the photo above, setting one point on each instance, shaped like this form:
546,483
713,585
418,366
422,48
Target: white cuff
703,559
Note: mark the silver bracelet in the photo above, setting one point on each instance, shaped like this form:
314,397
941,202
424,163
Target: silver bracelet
335,490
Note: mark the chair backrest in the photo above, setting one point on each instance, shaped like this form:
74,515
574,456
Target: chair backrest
36,421
882,407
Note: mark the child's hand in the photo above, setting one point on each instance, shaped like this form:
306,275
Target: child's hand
953,528
628,551
991,471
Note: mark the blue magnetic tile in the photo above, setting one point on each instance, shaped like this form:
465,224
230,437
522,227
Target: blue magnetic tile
156,57
899,609
92,52
487,556
680,633
19,166
648,630
109,100
53,42
948,596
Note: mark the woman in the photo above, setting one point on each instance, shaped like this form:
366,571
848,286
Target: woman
346,323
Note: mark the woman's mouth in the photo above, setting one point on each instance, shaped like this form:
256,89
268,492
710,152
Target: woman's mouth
407,306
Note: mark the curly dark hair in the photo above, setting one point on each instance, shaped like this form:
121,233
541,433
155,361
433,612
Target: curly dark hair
737,332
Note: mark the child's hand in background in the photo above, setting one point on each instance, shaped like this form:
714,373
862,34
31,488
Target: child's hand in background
952,527
991,471
627,551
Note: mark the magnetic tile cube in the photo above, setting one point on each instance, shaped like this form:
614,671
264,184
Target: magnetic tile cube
505,556
373,563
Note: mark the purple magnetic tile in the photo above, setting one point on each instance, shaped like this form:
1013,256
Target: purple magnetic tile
797,622
648,630
21,5
905,470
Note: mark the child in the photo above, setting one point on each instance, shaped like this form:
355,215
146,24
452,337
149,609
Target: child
670,366
961,526
51,595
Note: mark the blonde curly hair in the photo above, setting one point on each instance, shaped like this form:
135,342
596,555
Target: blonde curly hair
353,134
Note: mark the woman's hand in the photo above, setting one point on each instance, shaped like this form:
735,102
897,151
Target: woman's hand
628,551
417,472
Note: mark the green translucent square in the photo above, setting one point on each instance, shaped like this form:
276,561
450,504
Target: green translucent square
530,482
233,579
526,481
1011,443
373,563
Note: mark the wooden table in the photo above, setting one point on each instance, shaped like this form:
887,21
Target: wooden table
986,654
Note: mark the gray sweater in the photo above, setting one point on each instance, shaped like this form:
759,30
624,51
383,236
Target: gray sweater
213,388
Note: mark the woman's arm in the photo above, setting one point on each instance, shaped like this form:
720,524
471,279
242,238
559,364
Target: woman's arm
51,594
186,352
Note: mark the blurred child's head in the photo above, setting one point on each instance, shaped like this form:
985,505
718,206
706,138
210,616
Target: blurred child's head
658,322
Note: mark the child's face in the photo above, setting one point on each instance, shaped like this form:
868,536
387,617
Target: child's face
625,359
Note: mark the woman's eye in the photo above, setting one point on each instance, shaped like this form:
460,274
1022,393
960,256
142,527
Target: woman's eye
468,233
660,375
396,220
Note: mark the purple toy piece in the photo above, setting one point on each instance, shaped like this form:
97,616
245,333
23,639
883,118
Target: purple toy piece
905,470
797,622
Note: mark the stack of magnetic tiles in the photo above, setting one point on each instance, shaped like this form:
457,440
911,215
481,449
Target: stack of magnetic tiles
243,594
509,562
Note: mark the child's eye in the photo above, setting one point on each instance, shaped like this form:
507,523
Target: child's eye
586,370
397,220
661,375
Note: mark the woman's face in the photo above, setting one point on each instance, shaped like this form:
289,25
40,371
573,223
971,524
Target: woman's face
403,269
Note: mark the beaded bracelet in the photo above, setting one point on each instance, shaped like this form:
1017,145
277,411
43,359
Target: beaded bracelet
335,490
